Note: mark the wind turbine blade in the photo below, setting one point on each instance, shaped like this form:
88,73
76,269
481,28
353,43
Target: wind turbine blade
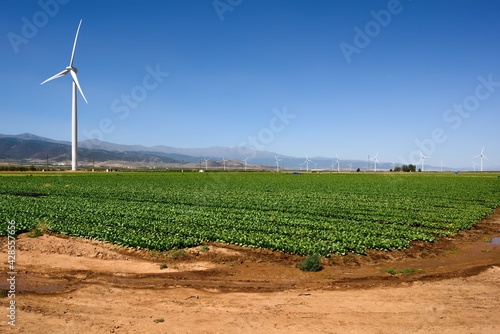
485,157
74,45
75,79
58,75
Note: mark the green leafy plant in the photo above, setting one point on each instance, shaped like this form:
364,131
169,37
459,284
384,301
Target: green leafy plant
40,229
391,271
407,271
404,271
163,266
311,263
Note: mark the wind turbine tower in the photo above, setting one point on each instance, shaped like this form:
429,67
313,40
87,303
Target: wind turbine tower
422,158
74,115
375,162
245,161
481,156
332,165
277,164
307,161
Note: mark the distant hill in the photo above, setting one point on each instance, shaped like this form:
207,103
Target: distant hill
27,148
37,150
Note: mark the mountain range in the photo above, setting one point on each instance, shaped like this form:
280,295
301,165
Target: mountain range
30,149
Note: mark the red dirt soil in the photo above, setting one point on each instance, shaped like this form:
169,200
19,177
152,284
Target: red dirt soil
71,285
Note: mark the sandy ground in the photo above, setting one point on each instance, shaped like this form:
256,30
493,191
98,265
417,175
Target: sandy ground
70,285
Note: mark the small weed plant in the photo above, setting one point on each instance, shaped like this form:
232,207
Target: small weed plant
41,227
311,263
404,271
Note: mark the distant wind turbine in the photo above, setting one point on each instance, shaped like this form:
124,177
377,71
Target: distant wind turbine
224,163
375,161
350,166
307,161
277,163
474,164
245,161
441,165
76,85
206,164
338,163
332,165
422,158
481,155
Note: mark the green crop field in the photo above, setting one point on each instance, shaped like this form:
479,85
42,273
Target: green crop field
298,214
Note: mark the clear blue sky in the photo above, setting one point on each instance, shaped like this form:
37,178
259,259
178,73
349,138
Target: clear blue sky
417,68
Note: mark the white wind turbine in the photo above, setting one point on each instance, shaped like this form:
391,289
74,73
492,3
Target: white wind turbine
245,161
338,163
307,161
332,165
206,164
224,163
350,166
442,165
481,155
375,161
474,164
422,158
277,163
74,123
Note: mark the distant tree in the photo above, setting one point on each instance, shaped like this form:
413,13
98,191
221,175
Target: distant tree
408,168
397,169
358,170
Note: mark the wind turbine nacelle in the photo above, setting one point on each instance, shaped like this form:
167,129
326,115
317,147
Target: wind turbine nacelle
74,69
